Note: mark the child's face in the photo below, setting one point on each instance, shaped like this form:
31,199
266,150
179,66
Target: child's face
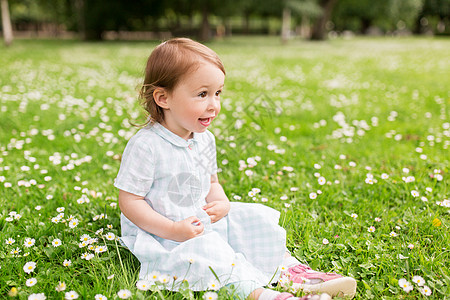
195,101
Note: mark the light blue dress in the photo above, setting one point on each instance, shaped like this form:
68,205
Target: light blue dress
174,176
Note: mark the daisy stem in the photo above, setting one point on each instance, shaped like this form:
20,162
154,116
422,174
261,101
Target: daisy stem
120,260
187,271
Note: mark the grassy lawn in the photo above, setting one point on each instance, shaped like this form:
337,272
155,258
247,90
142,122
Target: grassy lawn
349,139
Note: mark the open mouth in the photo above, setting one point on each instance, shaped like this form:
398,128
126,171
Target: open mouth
205,121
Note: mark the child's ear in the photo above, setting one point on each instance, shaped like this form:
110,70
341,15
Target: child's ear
160,97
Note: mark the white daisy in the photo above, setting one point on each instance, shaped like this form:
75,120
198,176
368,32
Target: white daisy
56,243
71,295
426,291
210,296
214,285
405,285
31,282
73,223
321,180
110,236
143,285
29,267
60,287
40,296
164,279
100,249
67,263
154,276
418,280
29,242
124,294
10,241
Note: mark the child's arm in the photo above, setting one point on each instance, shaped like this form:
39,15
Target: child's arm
142,215
217,201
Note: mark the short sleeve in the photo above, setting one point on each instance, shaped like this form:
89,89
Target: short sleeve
137,168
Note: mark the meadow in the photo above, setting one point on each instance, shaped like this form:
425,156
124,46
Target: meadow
349,139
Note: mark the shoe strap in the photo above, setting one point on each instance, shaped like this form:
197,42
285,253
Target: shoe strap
284,296
303,278
301,268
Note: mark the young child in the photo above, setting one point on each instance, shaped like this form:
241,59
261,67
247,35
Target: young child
176,218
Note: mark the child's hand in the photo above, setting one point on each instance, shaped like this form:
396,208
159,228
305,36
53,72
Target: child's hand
187,229
217,210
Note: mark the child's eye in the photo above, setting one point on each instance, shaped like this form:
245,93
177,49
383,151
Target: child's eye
202,94
218,92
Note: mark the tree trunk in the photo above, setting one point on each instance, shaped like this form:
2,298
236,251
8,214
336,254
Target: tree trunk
319,28
305,28
81,22
228,26
418,24
286,25
246,22
441,25
365,25
205,34
6,23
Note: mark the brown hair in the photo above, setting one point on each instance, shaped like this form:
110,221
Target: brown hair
167,64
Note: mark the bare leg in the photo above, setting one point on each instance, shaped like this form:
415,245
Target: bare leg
255,294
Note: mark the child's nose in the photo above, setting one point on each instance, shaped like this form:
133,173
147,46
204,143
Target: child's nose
214,104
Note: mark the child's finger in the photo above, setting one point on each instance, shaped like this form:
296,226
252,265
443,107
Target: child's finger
198,223
199,228
208,205
192,219
214,218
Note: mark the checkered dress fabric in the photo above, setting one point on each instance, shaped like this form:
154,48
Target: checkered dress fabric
173,175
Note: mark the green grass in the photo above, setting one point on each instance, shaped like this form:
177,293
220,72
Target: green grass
64,111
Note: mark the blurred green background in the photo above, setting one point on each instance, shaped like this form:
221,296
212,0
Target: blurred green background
206,19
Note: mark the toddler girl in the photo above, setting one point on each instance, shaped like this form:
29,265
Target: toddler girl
176,218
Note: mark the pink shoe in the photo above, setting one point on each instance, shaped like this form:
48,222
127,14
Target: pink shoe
286,296
319,282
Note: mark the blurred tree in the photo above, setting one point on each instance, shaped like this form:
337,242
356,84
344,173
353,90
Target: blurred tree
6,23
228,9
270,8
403,13
203,8
91,18
434,9
319,27
286,25
306,10
175,10
95,17
247,8
38,15
361,15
